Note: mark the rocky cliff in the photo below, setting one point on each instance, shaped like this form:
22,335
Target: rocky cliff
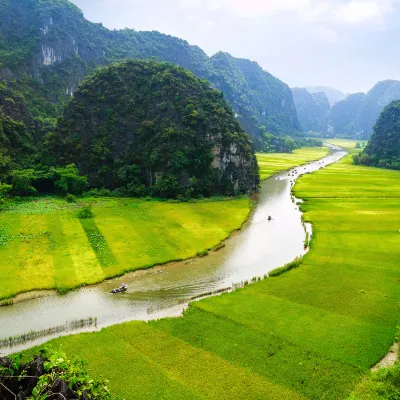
47,47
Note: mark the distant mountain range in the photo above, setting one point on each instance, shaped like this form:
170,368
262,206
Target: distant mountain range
354,116
47,48
333,95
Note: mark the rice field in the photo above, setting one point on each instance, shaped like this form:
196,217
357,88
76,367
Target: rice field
347,144
310,333
44,245
271,163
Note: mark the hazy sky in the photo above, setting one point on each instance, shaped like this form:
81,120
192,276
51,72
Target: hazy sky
346,44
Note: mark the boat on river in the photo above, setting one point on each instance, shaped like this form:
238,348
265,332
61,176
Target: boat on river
120,289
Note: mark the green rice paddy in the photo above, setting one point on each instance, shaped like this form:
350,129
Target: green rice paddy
43,245
271,163
310,333
348,144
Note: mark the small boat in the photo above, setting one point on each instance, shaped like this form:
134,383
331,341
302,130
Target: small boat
120,289
269,218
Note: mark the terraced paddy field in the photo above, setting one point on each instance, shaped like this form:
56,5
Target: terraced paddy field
44,245
311,333
271,163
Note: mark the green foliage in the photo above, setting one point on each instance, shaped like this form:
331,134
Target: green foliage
383,150
31,29
68,180
155,150
85,212
5,189
70,198
22,181
56,368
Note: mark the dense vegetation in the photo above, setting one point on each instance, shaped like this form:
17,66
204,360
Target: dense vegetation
47,47
313,110
50,243
310,333
261,101
146,127
383,150
48,376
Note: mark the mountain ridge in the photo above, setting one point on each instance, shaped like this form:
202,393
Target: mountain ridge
55,48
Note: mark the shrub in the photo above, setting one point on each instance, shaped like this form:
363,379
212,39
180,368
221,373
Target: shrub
85,212
58,377
5,189
68,180
70,198
22,181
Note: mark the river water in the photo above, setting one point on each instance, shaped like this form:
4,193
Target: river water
261,246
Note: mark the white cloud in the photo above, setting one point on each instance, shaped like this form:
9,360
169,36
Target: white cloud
357,11
337,11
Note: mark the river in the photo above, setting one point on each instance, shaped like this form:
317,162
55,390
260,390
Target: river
261,246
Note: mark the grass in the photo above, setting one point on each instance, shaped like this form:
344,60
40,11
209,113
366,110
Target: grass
310,333
44,245
348,144
271,163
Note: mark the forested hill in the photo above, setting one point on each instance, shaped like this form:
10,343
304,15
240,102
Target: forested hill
144,127
383,150
313,110
47,47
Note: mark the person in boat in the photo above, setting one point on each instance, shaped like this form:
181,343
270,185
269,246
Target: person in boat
269,218
120,289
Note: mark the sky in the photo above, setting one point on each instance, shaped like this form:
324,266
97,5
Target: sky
346,44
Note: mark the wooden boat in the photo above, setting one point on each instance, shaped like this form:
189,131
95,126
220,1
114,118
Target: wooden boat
120,289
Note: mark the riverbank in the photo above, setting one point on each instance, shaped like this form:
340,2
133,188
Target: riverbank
271,163
47,247
164,291
309,333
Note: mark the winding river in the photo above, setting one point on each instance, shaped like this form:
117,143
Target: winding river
261,246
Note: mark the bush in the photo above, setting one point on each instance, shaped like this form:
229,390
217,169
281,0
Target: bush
5,189
70,198
57,378
22,182
68,180
85,212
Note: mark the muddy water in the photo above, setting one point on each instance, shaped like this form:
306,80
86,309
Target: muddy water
261,246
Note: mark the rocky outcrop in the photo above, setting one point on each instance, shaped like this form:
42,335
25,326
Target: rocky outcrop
155,126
